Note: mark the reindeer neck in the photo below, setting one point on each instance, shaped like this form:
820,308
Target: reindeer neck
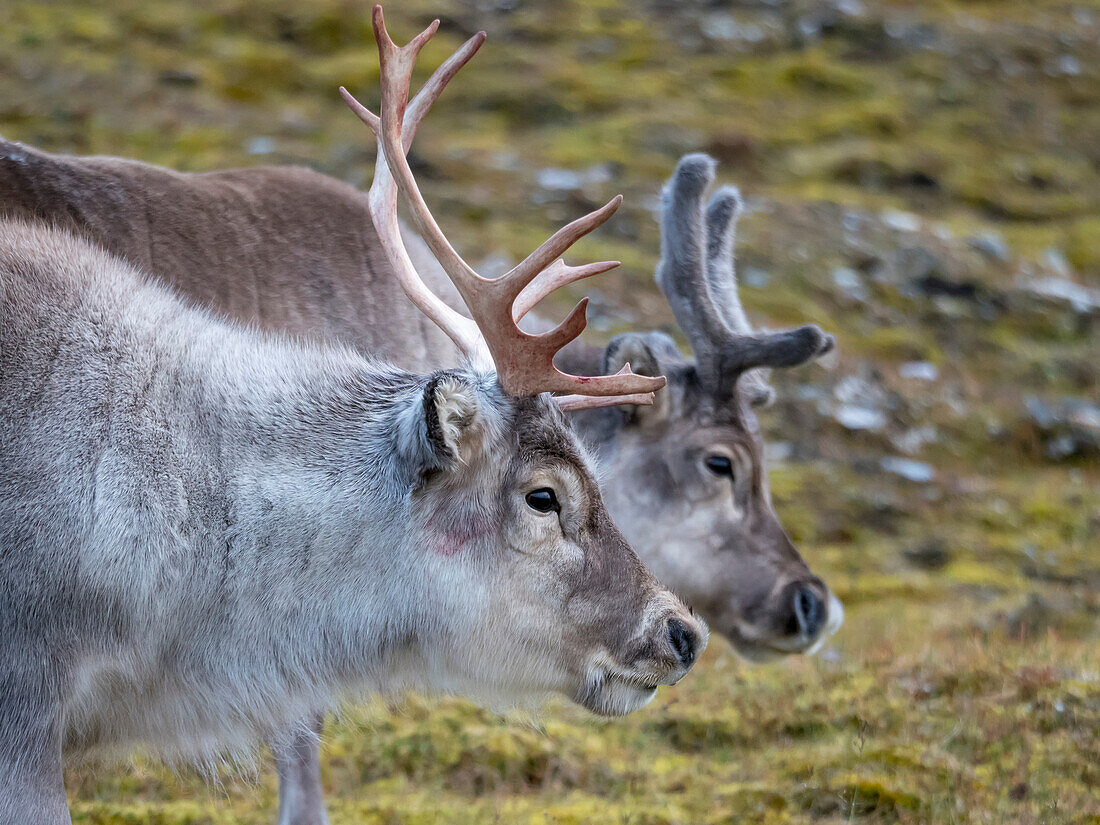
211,483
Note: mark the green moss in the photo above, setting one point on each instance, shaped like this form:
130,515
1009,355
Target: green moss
1083,246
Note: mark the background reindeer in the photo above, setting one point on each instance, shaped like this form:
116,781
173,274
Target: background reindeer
208,533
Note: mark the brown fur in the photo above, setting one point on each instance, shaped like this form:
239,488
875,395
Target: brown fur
285,248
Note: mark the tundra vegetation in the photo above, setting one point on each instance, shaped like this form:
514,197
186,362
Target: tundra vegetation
923,182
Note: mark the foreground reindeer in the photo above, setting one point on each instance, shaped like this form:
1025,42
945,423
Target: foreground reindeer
206,534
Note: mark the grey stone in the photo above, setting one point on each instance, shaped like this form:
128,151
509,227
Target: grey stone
915,471
919,371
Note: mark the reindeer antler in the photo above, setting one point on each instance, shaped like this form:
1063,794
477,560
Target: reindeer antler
524,363
697,276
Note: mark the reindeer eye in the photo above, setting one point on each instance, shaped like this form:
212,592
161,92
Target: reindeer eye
543,500
720,465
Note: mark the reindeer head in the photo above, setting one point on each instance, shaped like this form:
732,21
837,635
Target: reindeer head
546,592
686,476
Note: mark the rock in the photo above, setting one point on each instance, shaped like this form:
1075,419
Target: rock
605,313
1044,416
862,401
1069,65
850,282
494,265
1084,415
991,245
860,418
901,221
916,471
178,77
1055,259
853,222
864,389
911,441
754,276
779,452
850,8
552,178
1082,299
721,26
919,371
260,146
916,264
565,180
1067,429
931,555
1062,446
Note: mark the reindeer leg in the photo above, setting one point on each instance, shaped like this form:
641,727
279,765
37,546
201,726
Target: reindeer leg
301,797
32,786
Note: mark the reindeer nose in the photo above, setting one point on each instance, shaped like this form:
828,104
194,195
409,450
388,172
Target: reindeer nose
809,612
684,641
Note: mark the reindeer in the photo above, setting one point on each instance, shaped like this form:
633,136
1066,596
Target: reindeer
710,529
207,533
684,478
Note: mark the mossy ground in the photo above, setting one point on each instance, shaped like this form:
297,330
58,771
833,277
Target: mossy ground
965,693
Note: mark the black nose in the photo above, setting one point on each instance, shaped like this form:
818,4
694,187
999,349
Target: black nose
683,640
809,612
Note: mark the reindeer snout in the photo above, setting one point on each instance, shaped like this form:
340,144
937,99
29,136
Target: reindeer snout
809,612
684,637
805,610
684,641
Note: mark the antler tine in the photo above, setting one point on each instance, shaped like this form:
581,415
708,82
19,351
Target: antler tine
517,278
680,272
382,200
555,276
396,75
722,214
397,70
524,362
427,96
572,403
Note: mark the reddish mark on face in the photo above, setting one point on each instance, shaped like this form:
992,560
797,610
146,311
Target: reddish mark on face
450,540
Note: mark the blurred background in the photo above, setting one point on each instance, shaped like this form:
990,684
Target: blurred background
923,180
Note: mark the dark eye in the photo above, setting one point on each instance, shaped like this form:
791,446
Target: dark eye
720,465
543,500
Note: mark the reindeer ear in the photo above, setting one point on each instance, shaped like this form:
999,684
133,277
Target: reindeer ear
454,417
648,353
444,427
756,388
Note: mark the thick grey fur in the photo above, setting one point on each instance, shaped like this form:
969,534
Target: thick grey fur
207,534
